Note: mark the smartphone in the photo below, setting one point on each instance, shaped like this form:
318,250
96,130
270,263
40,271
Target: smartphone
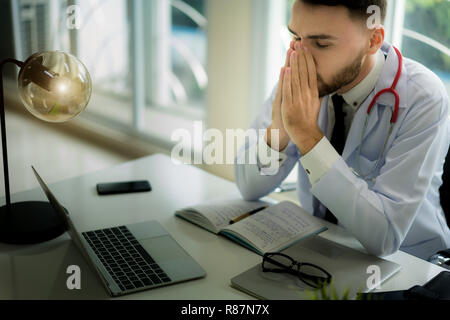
123,187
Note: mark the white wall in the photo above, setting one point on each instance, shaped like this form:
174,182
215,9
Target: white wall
229,48
240,62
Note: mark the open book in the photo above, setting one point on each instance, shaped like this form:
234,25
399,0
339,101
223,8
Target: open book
272,229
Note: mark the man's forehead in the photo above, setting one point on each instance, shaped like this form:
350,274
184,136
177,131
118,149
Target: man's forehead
308,20
317,35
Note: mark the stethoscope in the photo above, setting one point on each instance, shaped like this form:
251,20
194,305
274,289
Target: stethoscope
393,120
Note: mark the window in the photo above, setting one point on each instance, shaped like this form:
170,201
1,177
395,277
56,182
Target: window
421,29
146,58
102,43
188,42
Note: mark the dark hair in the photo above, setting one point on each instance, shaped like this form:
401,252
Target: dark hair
356,7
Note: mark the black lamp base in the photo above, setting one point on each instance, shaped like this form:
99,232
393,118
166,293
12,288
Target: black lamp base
29,223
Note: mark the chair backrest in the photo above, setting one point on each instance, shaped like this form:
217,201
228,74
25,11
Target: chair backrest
444,190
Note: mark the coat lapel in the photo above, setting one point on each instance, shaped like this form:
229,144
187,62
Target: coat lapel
356,129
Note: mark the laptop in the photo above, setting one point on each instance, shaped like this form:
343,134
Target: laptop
130,258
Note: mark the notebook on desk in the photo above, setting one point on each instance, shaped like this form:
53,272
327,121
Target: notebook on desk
352,272
272,227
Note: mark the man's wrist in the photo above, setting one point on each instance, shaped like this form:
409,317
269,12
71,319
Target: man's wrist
319,160
283,139
306,142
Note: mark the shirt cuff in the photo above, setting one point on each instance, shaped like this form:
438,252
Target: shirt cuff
269,160
319,160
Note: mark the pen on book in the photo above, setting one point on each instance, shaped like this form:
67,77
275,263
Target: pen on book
245,215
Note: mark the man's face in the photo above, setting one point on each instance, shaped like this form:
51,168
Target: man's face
337,42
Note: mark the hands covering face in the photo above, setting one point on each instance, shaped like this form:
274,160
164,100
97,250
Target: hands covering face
296,106
300,100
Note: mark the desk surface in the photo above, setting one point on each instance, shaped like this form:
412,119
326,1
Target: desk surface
39,271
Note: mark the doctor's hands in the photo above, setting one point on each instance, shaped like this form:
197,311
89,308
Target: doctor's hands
300,103
277,121
295,110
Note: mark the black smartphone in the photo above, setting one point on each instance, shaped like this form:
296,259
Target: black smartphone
123,187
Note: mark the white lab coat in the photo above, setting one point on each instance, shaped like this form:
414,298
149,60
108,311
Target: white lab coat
401,209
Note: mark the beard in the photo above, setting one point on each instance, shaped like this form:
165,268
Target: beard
342,78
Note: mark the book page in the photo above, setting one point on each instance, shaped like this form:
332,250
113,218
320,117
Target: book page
277,227
220,212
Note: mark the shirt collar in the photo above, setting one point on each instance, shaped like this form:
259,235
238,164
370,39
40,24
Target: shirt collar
355,96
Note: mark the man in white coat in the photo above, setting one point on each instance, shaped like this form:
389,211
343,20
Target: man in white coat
377,180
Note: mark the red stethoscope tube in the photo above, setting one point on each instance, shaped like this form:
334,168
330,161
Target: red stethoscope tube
391,89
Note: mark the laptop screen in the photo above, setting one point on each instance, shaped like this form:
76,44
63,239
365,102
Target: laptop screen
59,209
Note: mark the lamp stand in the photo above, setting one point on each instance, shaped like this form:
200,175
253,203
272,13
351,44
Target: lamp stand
23,222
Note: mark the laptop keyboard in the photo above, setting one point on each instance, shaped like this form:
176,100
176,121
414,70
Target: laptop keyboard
125,259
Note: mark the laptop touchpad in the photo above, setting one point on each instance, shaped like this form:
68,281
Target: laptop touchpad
163,248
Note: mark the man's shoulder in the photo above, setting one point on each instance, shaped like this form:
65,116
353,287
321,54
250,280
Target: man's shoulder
422,82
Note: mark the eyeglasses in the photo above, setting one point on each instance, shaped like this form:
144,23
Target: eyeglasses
308,273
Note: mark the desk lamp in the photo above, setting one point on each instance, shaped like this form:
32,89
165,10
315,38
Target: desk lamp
54,87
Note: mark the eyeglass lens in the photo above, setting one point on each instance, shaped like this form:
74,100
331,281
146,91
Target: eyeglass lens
278,262
308,273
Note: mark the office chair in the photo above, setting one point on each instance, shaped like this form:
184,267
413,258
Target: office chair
444,190
442,258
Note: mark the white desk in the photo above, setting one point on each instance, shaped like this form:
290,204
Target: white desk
39,271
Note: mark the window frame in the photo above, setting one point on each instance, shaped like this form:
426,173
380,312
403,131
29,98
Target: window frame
395,30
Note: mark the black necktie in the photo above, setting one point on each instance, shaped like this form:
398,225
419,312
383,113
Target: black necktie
337,139
338,136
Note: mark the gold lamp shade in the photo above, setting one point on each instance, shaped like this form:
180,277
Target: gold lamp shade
54,86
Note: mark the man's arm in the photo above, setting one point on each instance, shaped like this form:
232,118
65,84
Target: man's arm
256,180
275,154
380,217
